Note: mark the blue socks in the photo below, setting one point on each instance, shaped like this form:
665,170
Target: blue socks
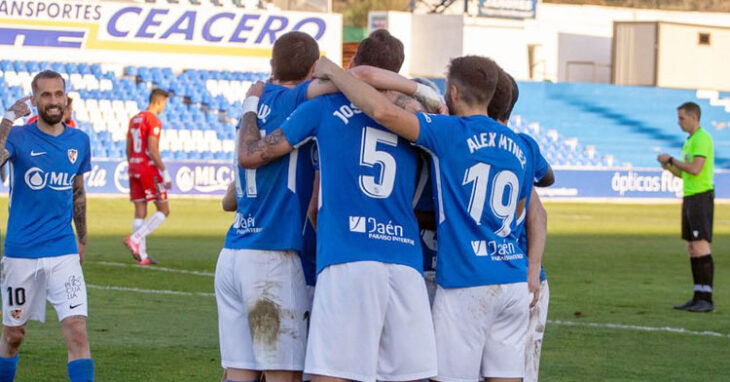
8,366
81,370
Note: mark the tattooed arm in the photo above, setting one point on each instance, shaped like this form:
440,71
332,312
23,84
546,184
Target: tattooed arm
80,214
253,150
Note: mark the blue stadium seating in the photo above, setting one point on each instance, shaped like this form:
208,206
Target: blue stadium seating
576,125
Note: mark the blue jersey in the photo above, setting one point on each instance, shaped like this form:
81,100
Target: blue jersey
429,244
479,171
269,216
305,179
367,185
538,168
42,173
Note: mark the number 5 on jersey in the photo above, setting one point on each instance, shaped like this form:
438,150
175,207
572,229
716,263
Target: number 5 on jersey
370,156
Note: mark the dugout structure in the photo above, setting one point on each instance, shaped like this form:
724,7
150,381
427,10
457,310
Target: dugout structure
671,55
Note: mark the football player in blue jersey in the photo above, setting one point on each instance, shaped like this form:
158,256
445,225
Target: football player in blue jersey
259,283
370,319
43,257
482,176
259,277
425,210
533,230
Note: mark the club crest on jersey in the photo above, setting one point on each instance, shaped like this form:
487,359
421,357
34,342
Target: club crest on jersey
73,154
15,313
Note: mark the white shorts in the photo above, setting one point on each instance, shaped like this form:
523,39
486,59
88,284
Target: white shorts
535,332
262,309
430,277
28,283
371,321
481,332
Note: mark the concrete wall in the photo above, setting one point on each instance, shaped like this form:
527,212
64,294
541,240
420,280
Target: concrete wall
595,21
583,58
436,39
505,41
537,49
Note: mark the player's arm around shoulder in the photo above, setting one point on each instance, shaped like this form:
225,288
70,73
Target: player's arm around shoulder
369,100
254,151
79,214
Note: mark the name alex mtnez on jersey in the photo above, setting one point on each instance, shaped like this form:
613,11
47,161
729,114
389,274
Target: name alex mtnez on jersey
378,230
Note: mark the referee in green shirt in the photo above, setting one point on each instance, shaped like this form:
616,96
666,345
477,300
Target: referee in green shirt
696,168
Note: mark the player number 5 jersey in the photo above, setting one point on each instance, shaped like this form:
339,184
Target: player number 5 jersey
367,185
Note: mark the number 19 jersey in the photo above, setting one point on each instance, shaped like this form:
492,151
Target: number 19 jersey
479,176
269,216
367,184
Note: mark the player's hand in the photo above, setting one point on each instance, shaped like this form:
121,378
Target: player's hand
443,109
533,285
323,68
20,108
82,248
256,90
166,179
663,158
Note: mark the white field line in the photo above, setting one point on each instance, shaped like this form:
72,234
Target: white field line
666,329
153,268
149,291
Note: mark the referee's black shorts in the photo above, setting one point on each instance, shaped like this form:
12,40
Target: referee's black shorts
697,212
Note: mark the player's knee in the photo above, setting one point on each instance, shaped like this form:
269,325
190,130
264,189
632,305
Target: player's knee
701,247
14,336
164,208
75,330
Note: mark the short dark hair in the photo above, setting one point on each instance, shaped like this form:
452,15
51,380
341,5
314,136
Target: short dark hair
381,50
46,74
158,93
476,78
500,103
293,55
515,97
691,107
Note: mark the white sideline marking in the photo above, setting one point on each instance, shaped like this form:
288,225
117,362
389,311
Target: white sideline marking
639,328
149,291
153,268
666,329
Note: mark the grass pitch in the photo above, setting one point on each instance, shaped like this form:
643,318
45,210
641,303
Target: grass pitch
607,265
